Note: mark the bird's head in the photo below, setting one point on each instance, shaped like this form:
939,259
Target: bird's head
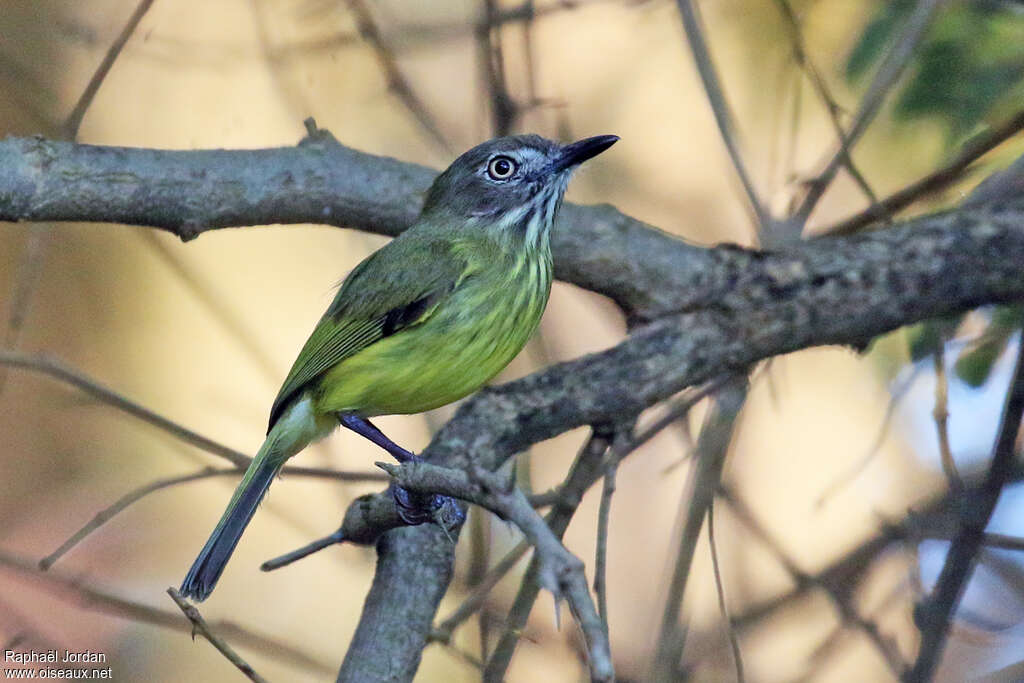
513,184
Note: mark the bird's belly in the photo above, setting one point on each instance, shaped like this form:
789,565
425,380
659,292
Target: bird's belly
448,356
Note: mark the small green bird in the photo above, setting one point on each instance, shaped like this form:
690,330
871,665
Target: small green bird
425,320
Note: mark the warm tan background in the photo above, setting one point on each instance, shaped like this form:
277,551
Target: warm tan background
203,333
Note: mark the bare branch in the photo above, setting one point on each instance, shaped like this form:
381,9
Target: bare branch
818,83
397,82
885,78
319,181
107,513
86,597
63,373
838,581
74,119
937,180
560,571
934,615
734,644
442,633
601,559
584,472
719,106
712,447
940,414
57,370
199,626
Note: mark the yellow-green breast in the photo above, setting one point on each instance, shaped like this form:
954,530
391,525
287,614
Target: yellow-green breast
468,339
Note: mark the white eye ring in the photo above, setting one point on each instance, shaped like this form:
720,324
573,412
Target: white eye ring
501,168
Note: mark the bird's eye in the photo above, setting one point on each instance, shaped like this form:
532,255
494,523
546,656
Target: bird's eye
501,168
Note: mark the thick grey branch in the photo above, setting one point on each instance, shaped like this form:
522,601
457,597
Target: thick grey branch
320,181
560,571
836,291
697,313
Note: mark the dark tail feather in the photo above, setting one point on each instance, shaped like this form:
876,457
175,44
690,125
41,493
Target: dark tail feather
207,568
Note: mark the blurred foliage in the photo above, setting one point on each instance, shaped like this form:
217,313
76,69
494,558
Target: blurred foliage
974,364
968,70
924,338
975,361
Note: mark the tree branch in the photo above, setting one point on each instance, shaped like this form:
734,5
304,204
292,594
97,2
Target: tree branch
695,313
559,571
318,181
935,181
827,291
73,590
935,614
200,626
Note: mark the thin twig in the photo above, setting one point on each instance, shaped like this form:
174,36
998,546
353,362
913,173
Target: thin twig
704,478
397,82
73,590
846,571
888,74
26,280
937,180
478,561
935,614
737,657
463,656
199,626
63,373
940,413
838,583
107,513
818,83
601,559
74,119
677,410
584,472
1000,541
442,633
560,572
504,110
719,106
890,601
304,551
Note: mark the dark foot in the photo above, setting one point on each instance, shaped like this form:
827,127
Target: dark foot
414,508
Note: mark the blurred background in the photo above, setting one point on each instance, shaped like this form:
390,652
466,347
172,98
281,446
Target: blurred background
830,446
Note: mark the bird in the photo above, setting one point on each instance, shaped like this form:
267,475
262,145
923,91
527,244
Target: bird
426,320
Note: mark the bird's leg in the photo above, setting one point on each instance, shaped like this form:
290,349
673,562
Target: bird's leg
365,428
414,508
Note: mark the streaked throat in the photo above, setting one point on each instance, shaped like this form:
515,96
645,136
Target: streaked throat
531,222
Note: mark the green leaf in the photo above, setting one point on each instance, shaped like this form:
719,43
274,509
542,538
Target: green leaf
975,364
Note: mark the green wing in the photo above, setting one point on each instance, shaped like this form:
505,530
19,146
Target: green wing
394,288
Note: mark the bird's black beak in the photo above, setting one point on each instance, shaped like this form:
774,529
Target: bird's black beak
578,152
